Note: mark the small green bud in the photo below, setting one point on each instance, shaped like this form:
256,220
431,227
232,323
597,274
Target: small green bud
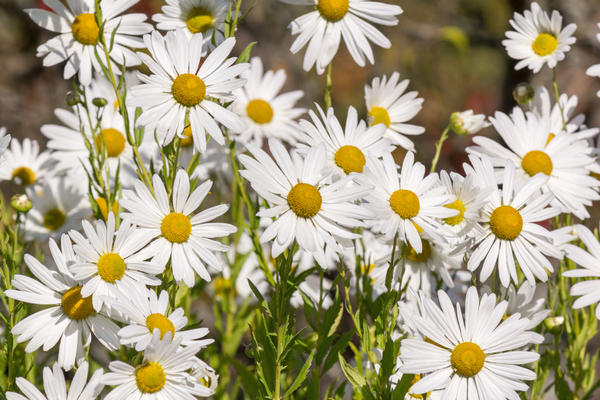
99,102
554,324
21,203
72,98
523,93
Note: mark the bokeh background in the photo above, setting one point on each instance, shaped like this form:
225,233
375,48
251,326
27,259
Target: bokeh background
449,49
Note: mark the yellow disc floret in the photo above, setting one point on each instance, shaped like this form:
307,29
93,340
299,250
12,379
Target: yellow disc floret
506,222
416,378
544,44
102,206
75,306
304,200
537,161
150,378
114,141
25,175
54,219
350,159
188,140
199,20
189,90
259,111
176,227
380,116
85,29
458,218
333,10
405,203
467,359
411,254
111,267
160,322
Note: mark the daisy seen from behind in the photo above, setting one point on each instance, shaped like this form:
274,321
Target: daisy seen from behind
266,112
305,207
475,355
163,374
334,20
111,261
177,232
77,42
387,104
538,39
144,312
55,386
180,88
70,317
407,202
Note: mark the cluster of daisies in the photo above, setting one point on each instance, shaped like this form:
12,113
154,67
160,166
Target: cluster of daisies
334,188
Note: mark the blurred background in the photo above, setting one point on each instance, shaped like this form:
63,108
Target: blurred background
449,49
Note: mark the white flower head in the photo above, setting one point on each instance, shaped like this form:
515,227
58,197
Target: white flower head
25,164
538,39
467,122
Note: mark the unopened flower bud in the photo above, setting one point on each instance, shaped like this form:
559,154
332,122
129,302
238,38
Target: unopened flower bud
72,98
99,102
523,93
21,203
554,324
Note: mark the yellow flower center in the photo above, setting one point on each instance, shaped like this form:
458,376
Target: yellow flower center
84,28
595,175
188,140
111,267
104,208
380,116
25,175
416,378
304,200
54,219
467,359
150,378
222,285
259,111
405,203
537,161
350,159
506,222
113,140
411,254
189,90
176,227
333,10
458,218
544,44
550,137
75,306
199,20
161,322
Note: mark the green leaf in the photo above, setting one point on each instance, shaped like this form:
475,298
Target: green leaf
354,377
301,375
402,387
337,348
245,55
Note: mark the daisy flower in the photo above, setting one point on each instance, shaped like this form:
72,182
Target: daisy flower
177,232
70,319
477,356
304,207
406,203
194,16
163,373
4,141
348,147
111,262
467,122
57,208
510,229
179,88
205,374
589,261
594,70
56,388
145,311
78,32
388,104
333,20
525,302
266,112
24,164
538,39
565,159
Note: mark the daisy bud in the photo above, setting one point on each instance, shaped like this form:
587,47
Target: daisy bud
523,93
21,203
72,98
99,102
554,324
467,123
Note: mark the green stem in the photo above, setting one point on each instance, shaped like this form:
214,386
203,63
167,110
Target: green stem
557,96
328,86
438,148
